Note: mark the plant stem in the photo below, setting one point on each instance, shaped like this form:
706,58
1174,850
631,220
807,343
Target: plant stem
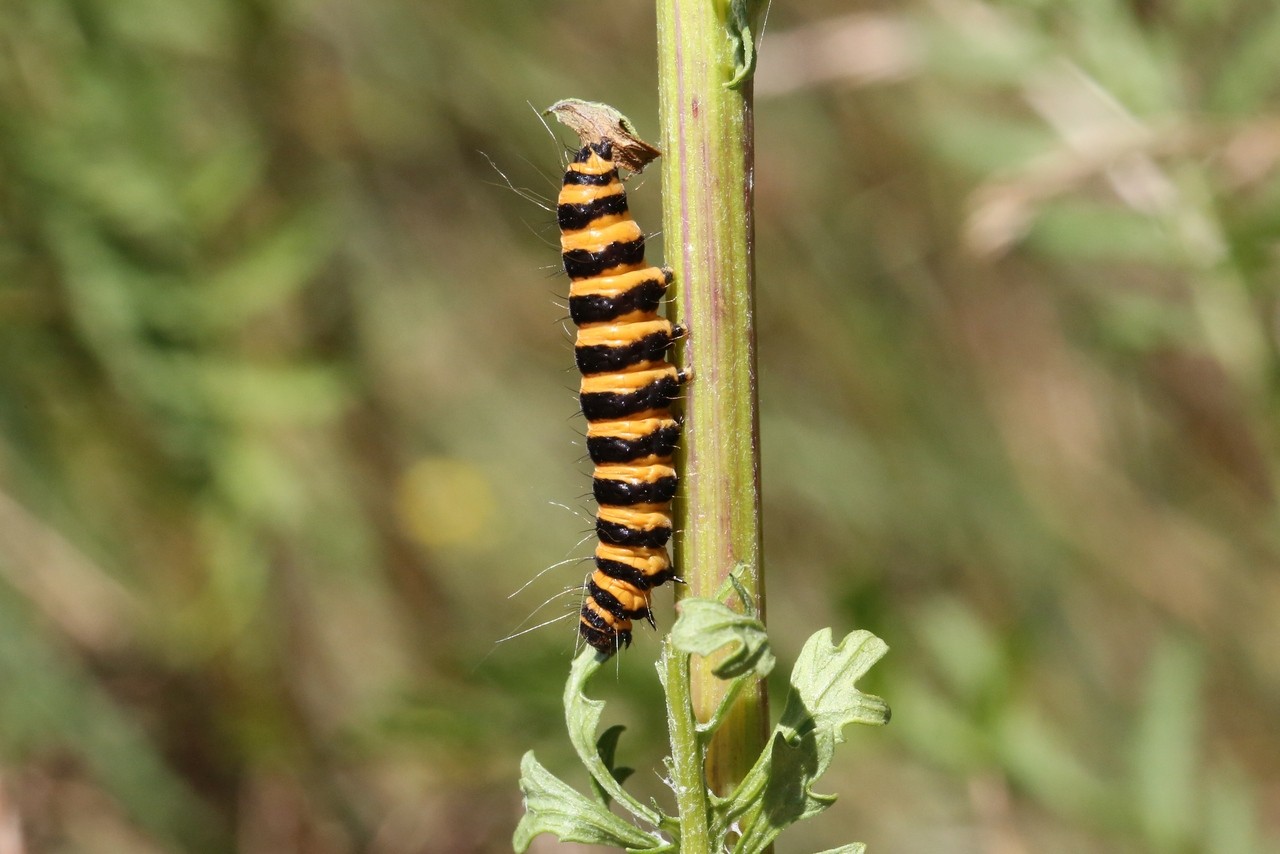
686,755
707,221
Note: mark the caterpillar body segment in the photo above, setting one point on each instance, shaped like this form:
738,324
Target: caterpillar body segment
632,439
626,394
625,296
637,525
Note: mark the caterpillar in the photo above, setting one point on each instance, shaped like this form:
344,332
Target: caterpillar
626,393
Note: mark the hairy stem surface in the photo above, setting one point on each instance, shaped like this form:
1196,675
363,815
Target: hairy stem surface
707,222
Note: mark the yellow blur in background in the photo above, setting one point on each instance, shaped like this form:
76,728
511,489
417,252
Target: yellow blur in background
445,502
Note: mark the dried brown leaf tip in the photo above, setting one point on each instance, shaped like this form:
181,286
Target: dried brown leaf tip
594,122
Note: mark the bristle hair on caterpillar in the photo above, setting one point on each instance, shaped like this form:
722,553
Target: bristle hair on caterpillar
626,392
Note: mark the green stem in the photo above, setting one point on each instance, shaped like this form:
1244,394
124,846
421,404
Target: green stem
686,755
707,222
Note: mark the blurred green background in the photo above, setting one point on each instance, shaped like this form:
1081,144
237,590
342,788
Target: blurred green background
287,414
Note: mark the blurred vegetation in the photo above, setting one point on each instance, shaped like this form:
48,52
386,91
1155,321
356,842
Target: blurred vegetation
285,415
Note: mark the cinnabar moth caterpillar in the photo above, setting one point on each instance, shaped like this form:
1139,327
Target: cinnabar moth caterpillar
626,393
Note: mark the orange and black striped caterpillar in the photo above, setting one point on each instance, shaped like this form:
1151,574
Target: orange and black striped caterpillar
626,393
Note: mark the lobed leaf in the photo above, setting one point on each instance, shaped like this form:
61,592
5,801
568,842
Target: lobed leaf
606,749
704,626
553,806
582,714
824,698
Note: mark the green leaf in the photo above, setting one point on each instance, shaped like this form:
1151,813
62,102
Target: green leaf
823,696
552,806
781,793
606,748
704,626
778,791
744,21
582,714
852,848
